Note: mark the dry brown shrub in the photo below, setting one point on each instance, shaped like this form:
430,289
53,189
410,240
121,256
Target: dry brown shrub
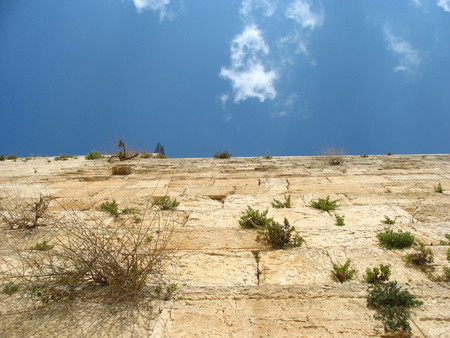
121,170
334,156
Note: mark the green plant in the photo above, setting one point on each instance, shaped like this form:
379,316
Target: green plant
110,207
389,154
364,155
254,219
342,273
448,255
324,204
422,256
447,236
339,220
388,220
165,203
2,157
267,157
11,288
377,275
130,211
392,305
64,157
42,246
93,155
395,240
279,236
278,204
446,274
438,188
222,154
12,157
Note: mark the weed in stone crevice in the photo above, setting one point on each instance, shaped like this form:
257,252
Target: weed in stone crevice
343,273
339,220
390,239
377,275
324,204
254,219
388,220
279,235
279,205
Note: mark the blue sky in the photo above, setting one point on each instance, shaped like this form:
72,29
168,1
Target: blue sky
249,76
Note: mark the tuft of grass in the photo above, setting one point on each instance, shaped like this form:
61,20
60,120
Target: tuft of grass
64,157
343,273
439,188
12,157
392,305
254,219
93,155
339,220
279,235
390,239
279,205
324,204
222,154
267,157
421,257
364,155
2,157
388,220
11,288
165,203
377,275
130,211
42,246
111,208
447,236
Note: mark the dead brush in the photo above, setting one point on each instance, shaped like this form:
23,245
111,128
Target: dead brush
94,257
20,214
333,156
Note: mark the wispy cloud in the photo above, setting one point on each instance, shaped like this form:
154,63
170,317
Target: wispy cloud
418,3
247,73
409,57
308,19
444,4
249,7
160,6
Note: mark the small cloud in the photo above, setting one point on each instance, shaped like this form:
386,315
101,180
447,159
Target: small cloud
224,99
409,57
444,4
280,114
416,2
248,7
247,73
160,6
301,11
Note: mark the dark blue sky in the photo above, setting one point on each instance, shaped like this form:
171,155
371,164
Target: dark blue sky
250,76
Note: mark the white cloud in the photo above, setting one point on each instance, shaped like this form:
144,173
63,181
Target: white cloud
308,20
248,7
247,73
416,2
224,99
301,11
160,6
280,114
444,4
410,58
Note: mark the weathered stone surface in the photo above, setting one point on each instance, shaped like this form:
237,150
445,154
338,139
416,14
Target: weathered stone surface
228,283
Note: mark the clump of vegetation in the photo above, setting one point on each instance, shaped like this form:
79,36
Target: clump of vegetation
267,157
279,205
2,157
254,219
390,239
389,154
324,204
42,246
339,220
121,170
93,155
123,155
343,273
377,275
11,288
165,203
26,215
392,305
388,220
364,155
222,154
279,235
111,208
130,211
439,188
447,242
422,256
64,157
12,157
334,156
